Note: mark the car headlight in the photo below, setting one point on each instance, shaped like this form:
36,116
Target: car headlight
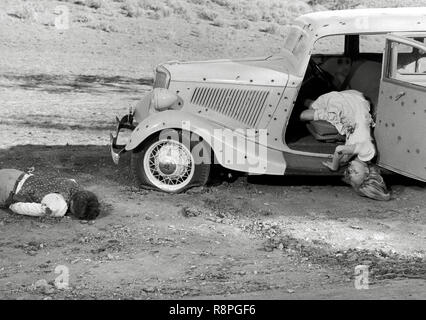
162,78
163,99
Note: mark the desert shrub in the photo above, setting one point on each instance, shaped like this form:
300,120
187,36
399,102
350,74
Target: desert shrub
147,4
179,8
224,3
241,24
267,17
24,12
284,12
218,22
95,4
319,7
165,11
82,18
271,28
103,26
199,2
130,9
160,9
153,15
207,14
176,4
107,27
251,13
278,11
150,8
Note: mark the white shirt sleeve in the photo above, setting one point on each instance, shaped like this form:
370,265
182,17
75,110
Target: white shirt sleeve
29,208
365,150
319,106
53,201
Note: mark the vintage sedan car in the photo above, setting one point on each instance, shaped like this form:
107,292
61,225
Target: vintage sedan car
244,114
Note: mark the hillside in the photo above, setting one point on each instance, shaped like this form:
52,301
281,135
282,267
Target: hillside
129,37
67,85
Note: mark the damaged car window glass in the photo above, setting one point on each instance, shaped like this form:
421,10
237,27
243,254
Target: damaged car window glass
410,60
410,64
296,41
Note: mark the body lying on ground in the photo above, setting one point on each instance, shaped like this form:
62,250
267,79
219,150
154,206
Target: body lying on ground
36,195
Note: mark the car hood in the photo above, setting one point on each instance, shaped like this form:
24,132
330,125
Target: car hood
271,71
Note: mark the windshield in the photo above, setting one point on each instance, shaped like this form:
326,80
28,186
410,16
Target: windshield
295,47
296,42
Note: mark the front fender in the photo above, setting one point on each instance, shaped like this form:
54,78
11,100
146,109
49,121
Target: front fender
232,148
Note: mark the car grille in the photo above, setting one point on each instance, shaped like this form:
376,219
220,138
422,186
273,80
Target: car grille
160,80
245,106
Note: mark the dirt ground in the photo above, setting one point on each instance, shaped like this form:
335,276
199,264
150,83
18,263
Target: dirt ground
276,239
257,237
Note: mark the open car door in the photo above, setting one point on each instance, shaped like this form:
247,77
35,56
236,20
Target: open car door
400,130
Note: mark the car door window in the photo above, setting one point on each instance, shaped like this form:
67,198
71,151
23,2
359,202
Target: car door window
408,63
411,62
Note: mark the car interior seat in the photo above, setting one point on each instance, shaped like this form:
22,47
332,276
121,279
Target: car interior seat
324,131
339,68
365,77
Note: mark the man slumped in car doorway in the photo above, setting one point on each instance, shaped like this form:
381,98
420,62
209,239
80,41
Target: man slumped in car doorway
349,112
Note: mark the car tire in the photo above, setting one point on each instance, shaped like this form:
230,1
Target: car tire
169,165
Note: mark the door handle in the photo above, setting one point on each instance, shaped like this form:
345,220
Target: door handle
399,95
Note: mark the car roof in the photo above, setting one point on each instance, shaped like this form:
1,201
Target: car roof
357,21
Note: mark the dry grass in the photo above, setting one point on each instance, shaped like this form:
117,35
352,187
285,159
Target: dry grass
25,12
240,14
95,4
104,26
130,10
218,22
271,28
224,3
207,14
81,18
241,24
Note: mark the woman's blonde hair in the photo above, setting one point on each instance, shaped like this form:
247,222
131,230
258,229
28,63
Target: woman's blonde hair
373,186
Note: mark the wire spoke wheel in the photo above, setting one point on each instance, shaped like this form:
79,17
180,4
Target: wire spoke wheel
169,165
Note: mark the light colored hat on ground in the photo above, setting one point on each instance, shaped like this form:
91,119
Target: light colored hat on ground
56,203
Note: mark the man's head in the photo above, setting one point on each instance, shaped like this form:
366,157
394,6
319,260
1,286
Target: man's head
366,180
84,205
356,173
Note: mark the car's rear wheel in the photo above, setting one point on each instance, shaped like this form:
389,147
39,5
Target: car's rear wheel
170,165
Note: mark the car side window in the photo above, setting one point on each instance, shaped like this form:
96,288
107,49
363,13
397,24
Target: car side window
371,43
410,60
331,45
408,64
